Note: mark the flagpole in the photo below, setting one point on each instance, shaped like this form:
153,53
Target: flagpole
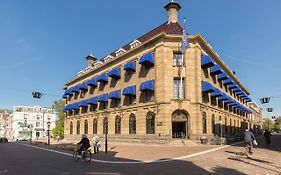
184,46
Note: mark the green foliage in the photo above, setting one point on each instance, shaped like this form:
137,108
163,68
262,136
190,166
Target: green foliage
277,125
267,124
58,106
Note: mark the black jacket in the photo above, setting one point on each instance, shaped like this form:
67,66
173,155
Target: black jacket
85,142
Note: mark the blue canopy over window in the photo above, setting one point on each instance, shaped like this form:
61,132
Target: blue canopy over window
207,61
131,66
93,82
115,94
223,97
147,85
103,98
74,106
207,87
76,89
102,78
227,82
68,92
115,73
233,86
215,70
83,86
93,101
66,108
83,103
222,76
64,96
237,90
216,93
147,60
131,90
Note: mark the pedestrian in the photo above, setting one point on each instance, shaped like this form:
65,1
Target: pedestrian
96,143
267,136
249,137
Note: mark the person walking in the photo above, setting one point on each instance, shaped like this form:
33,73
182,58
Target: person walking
248,139
267,136
96,143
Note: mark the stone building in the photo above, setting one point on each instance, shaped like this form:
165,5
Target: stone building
148,89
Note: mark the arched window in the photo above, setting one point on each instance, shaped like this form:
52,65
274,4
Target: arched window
105,125
132,124
78,127
117,124
213,124
86,127
204,123
150,123
71,128
95,126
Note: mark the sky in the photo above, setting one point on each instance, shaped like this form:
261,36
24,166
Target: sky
43,44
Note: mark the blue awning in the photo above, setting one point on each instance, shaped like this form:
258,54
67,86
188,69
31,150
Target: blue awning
103,98
131,66
207,87
207,61
147,60
115,94
64,96
66,108
237,90
227,82
115,73
216,93
222,76
76,89
102,78
131,90
93,101
74,106
223,97
68,92
83,103
147,85
215,70
93,82
232,86
83,86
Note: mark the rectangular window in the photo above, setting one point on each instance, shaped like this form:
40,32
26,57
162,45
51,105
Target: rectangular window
37,124
178,89
132,99
76,111
220,104
93,108
149,95
76,95
84,109
115,103
178,59
83,93
213,101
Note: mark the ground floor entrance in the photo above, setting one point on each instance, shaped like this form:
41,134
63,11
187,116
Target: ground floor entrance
180,124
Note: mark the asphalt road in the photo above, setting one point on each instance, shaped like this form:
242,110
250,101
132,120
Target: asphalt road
18,159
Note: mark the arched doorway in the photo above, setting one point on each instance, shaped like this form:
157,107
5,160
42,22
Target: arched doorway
180,124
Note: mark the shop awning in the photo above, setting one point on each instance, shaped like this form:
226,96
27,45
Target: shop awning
115,73
131,66
131,90
103,98
147,85
207,61
102,78
115,94
147,60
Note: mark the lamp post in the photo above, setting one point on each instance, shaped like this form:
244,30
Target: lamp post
220,122
48,124
106,114
30,128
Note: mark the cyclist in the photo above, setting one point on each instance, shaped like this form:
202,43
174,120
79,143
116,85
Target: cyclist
85,144
248,140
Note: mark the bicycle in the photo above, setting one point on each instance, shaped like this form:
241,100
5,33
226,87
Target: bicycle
86,155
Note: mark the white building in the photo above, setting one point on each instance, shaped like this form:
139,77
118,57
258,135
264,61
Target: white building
32,118
5,124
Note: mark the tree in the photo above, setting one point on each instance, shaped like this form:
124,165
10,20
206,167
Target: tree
58,106
277,125
267,124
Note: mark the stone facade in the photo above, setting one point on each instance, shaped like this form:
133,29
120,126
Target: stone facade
163,116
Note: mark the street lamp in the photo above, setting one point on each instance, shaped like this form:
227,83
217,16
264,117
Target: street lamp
48,124
106,114
30,128
220,122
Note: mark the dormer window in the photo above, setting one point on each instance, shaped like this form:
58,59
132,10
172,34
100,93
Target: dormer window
135,43
120,52
106,59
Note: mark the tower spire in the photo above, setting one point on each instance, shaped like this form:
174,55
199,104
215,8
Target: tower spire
172,9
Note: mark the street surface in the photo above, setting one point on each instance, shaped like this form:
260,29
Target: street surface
21,158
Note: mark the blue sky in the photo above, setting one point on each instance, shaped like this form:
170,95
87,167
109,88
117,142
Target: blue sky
43,44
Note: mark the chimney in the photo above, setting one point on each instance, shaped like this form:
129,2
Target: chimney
91,59
172,8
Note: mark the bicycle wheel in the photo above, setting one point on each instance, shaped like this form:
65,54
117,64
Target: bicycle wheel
75,155
87,156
